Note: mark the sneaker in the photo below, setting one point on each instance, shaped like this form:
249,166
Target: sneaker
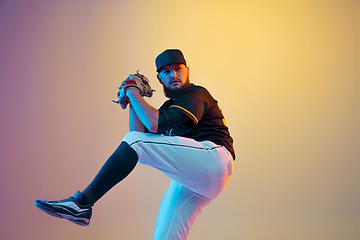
69,208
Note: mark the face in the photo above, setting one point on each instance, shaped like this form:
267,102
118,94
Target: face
174,76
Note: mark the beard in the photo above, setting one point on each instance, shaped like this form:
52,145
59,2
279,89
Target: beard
175,93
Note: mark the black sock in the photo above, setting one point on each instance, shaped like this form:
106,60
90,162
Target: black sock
115,169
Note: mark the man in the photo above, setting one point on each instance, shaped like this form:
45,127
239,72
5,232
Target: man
186,139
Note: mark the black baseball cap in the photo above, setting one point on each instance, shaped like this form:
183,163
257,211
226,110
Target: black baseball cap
169,56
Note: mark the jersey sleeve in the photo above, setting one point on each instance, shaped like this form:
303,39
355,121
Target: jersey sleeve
188,109
193,104
170,119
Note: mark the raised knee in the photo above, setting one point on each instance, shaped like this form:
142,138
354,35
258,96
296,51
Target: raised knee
132,137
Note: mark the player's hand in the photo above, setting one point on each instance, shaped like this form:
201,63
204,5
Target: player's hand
138,81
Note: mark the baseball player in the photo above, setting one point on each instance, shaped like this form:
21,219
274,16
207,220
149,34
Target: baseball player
186,139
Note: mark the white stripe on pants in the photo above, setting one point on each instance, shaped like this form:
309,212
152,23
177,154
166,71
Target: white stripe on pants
199,172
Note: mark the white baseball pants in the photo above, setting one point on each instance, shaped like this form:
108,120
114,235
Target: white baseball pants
199,172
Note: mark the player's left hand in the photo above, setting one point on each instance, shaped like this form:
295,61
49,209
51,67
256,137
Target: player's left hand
138,81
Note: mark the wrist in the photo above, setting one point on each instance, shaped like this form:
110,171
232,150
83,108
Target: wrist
131,90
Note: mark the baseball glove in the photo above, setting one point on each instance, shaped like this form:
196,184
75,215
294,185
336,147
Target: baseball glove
134,80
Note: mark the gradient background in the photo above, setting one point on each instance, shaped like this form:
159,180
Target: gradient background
286,74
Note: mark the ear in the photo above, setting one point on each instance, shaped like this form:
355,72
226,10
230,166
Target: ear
188,71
